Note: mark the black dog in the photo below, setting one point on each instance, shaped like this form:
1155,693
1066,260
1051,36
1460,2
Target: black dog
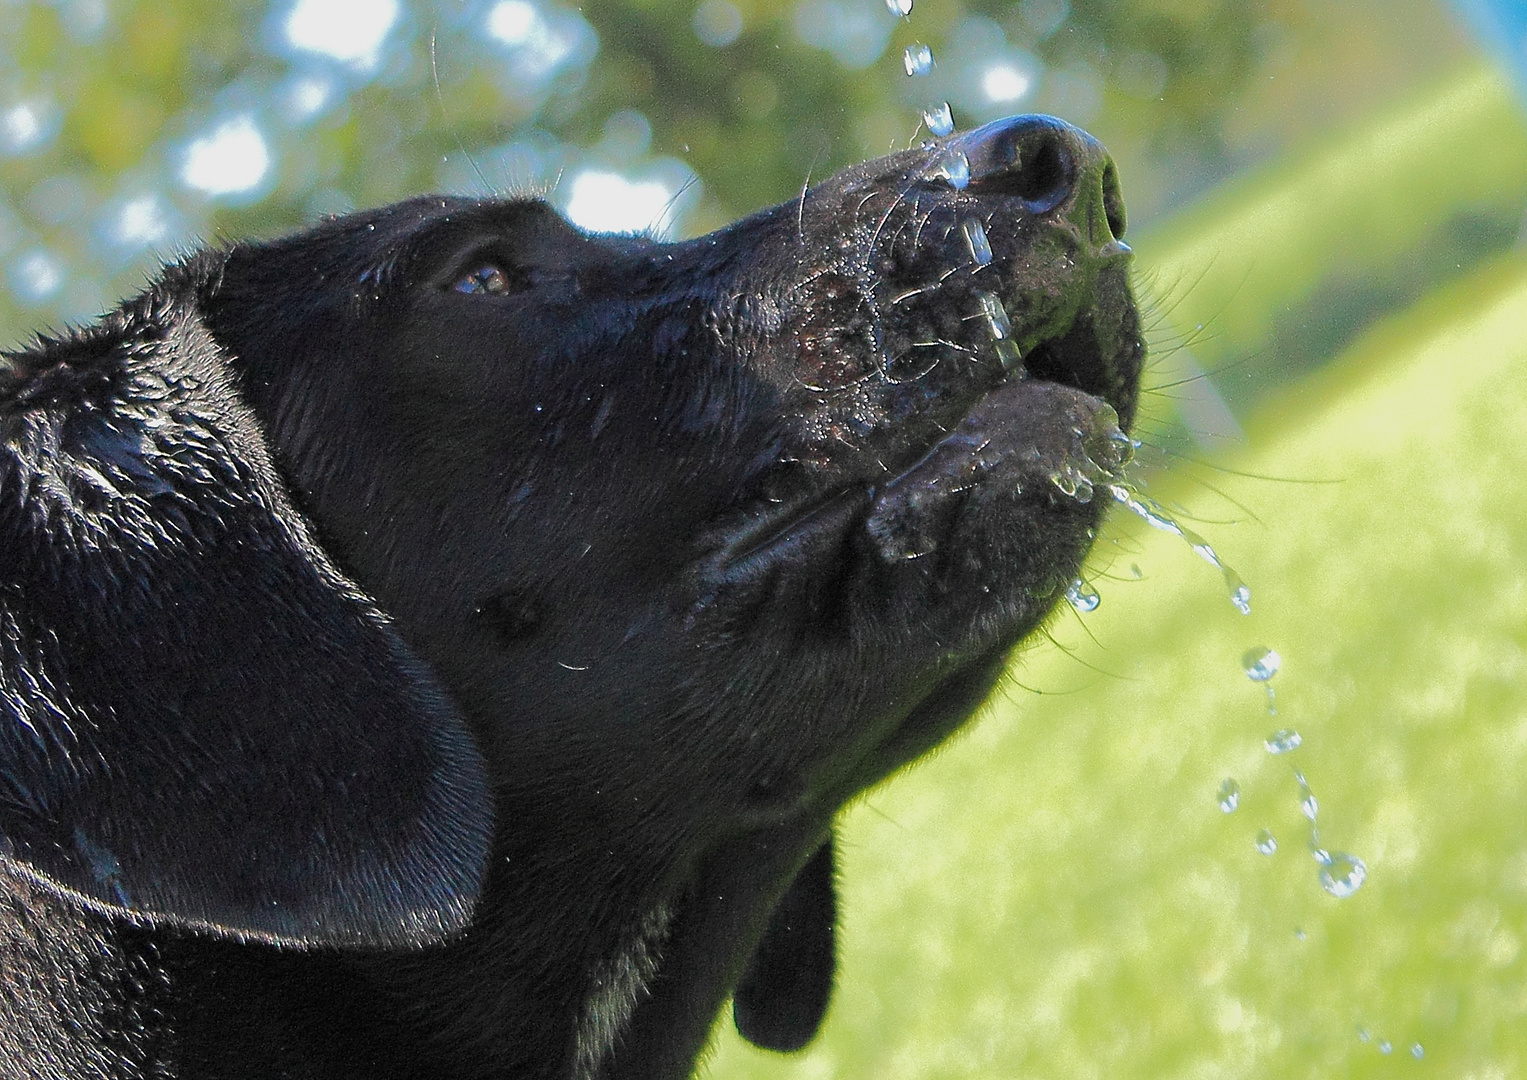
435,645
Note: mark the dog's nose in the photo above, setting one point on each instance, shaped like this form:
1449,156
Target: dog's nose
1053,167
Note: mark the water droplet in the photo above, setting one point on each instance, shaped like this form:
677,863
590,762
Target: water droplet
1283,740
1342,877
1362,1034
1266,842
940,119
1011,358
1260,664
980,251
953,167
1299,934
1135,572
997,321
1417,1051
1071,483
1240,595
1229,795
1083,596
1158,518
918,59
1108,448
1307,804
1385,1046
899,8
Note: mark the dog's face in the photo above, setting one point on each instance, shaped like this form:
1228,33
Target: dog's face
695,527
701,538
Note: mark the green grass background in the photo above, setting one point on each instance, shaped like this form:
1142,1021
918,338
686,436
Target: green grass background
1057,894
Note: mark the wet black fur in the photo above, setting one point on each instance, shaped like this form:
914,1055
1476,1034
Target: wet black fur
403,682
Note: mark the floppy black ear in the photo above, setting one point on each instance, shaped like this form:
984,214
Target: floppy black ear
201,720
784,993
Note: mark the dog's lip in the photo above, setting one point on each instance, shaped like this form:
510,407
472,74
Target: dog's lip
766,529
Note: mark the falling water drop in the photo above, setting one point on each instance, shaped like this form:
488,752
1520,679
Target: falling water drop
1266,842
1229,795
1417,1051
940,120
1386,1047
918,59
1307,804
1260,664
1157,518
1342,876
1283,740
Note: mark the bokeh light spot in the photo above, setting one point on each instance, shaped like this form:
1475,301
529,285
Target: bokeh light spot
36,276
1004,82
603,201
232,159
26,127
351,31
140,222
718,23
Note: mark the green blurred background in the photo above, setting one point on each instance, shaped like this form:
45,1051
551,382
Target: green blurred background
1327,202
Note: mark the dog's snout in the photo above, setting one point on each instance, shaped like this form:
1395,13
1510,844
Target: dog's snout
1053,167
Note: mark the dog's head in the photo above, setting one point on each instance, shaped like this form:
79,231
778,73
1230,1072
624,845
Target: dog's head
699,539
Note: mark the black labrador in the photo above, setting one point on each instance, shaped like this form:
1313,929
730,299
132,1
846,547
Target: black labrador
436,644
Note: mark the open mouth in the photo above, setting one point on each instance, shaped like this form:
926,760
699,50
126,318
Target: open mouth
1046,424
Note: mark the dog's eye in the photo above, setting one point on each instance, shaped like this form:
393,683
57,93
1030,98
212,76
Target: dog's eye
487,278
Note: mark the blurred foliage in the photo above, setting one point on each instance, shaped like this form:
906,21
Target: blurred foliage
1274,272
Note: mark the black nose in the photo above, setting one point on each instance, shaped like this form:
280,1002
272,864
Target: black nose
1052,167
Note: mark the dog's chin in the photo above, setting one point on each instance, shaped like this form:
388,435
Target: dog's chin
1023,461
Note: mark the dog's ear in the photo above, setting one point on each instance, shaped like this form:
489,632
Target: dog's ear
202,721
783,995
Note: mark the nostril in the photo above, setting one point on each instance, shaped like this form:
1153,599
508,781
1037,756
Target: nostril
1043,176
1028,157
1113,202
